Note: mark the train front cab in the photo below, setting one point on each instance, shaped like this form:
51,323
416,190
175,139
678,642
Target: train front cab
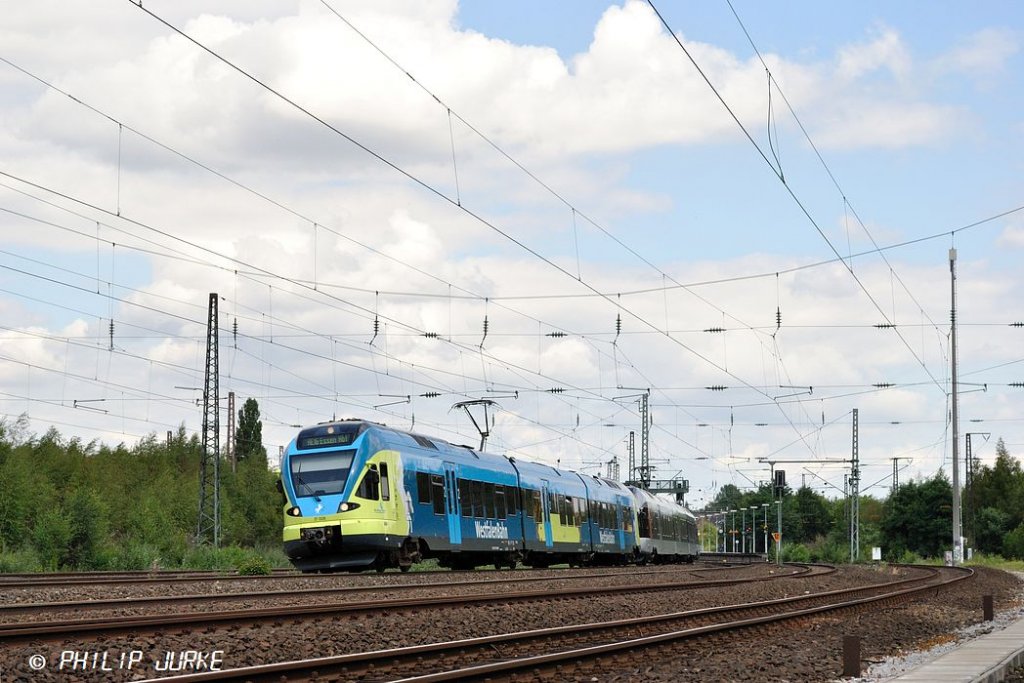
344,506
667,531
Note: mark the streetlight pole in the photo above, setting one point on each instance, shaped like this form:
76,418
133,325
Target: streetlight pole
733,512
765,506
778,543
743,530
955,422
720,533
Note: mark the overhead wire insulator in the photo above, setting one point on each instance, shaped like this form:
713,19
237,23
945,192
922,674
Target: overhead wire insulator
111,334
376,320
715,329
716,387
431,394
883,385
556,390
778,318
556,335
234,332
885,326
1017,324
431,335
486,326
1016,385
618,326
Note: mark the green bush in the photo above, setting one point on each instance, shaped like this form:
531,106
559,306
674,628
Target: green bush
796,552
133,555
208,558
19,561
254,565
51,536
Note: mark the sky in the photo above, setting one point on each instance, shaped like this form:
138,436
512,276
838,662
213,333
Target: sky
745,215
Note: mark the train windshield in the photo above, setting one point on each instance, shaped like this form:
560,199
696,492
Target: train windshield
320,474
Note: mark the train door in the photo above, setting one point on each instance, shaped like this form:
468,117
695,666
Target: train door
452,508
546,513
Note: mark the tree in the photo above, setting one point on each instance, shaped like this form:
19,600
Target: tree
918,518
992,524
1013,544
1001,486
249,434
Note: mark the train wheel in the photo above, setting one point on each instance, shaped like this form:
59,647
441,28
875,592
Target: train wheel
404,568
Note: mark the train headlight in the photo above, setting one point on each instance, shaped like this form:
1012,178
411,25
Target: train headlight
345,507
294,512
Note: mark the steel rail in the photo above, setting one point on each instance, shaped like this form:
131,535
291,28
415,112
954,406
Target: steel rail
108,603
30,580
77,628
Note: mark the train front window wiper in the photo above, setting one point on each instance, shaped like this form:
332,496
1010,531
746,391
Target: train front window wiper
301,482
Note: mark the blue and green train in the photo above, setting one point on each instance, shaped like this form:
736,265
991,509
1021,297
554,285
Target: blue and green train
360,495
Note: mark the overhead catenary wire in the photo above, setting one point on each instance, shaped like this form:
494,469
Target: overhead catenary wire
426,186
789,190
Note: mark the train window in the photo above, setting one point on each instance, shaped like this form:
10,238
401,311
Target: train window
538,506
531,503
553,507
385,483
511,493
489,502
570,511
499,501
369,487
318,474
437,484
423,487
477,491
466,498
644,522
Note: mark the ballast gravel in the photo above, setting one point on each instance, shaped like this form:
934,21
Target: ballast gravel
809,651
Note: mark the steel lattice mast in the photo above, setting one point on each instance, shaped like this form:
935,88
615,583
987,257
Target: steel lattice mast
208,527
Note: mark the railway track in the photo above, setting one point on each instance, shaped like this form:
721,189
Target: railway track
572,651
34,580
76,629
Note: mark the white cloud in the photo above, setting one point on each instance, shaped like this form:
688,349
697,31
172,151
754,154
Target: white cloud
886,52
984,53
1012,236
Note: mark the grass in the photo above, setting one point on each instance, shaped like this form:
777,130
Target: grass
995,562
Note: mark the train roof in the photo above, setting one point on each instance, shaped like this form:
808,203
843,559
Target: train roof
348,430
663,504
